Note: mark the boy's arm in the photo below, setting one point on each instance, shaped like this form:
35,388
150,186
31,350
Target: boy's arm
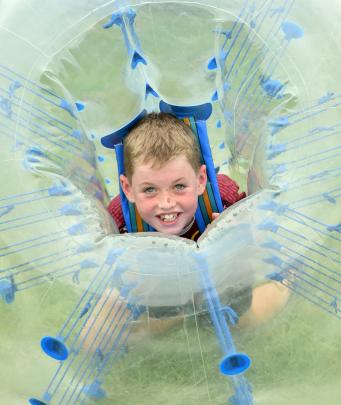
229,194
268,300
115,210
228,189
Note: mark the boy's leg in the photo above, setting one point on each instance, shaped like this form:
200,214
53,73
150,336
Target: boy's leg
106,321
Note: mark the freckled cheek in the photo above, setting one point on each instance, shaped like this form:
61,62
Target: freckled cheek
145,206
189,204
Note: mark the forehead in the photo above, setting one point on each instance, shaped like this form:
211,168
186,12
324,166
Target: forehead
156,172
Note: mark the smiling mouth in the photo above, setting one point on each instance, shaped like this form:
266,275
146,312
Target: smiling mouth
168,217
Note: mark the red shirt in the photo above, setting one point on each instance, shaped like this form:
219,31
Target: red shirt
228,191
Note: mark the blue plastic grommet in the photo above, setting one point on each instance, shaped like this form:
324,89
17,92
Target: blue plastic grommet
34,401
234,364
54,348
7,290
94,390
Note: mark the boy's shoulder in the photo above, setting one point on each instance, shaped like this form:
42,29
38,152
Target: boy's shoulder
115,210
229,190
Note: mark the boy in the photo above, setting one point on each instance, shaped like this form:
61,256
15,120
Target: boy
164,177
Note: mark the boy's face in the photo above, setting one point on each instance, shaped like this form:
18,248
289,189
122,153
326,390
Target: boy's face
166,197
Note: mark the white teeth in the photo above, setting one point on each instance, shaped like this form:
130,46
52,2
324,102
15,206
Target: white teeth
168,217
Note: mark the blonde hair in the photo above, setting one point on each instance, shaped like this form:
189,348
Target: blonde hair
158,138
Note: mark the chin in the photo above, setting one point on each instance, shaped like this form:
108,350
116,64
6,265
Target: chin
169,231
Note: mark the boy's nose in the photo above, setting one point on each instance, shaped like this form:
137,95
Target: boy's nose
166,202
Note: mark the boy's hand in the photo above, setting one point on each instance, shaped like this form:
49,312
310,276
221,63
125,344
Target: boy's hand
215,215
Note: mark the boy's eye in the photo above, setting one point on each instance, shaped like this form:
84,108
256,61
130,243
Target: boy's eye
179,186
149,190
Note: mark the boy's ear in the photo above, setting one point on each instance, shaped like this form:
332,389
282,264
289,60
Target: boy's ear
202,179
126,187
